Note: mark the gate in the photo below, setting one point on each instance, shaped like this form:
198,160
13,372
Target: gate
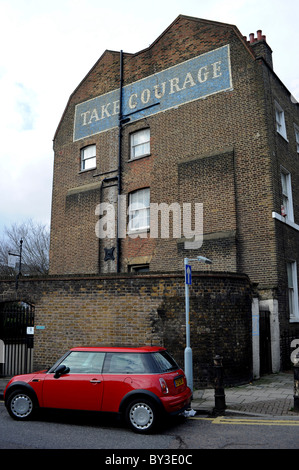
16,323
265,343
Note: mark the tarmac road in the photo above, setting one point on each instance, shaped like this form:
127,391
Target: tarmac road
259,415
76,431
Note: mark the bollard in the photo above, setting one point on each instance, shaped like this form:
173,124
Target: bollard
219,390
296,383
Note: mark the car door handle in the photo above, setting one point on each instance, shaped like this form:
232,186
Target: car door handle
95,381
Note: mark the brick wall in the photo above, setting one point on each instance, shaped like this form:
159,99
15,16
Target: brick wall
143,309
284,156
233,201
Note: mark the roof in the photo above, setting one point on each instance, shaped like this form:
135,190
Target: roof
140,349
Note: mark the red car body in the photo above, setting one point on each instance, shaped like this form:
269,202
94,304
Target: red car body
141,383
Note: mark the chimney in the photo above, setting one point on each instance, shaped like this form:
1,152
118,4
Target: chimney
260,47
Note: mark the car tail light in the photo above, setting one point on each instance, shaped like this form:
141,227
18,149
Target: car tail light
164,387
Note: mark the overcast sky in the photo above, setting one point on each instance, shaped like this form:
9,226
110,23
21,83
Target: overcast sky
48,46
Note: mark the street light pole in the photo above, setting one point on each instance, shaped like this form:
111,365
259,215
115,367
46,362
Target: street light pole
20,263
188,350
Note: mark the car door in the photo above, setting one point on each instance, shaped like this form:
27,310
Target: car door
120,373
79,389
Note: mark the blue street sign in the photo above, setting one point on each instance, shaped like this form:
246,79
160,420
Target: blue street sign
188,275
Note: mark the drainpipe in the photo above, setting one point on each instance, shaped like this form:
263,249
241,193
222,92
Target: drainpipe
120,118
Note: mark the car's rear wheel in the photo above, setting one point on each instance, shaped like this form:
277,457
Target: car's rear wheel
20,405
141,415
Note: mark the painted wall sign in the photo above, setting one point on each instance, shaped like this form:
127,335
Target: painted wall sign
255,325
191,80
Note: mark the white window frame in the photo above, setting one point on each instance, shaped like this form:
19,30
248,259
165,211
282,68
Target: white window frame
140,144
139,210
287,198
293,291
280,121
88,158
297,136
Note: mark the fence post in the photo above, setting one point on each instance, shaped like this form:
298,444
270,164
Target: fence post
2,356
296,383
220,405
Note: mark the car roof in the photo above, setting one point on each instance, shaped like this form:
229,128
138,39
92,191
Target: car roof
140,349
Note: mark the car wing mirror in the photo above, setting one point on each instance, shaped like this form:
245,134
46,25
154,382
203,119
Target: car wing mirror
62,369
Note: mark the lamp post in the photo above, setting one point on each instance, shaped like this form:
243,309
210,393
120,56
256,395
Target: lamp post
20,263
188,350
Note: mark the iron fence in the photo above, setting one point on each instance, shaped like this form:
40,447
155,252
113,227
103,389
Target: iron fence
16,318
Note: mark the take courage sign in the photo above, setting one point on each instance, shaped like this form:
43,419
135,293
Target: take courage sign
191,80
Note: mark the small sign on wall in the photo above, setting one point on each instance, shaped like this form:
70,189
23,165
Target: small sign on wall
255,325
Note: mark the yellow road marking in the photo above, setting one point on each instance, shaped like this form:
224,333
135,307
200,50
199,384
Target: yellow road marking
250,421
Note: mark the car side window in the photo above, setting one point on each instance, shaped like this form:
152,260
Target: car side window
124,363
84,362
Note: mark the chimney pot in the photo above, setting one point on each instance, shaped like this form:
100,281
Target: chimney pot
251,38
259,35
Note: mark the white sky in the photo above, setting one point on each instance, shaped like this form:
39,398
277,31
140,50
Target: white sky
48,46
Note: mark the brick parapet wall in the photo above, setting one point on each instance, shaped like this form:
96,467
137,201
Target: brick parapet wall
143,309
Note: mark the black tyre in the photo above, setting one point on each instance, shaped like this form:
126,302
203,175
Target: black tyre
141,415
21,405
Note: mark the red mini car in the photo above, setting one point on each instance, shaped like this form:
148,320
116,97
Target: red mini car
140,383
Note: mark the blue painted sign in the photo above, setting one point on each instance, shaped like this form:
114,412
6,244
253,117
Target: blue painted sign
188,274
255,325
191,80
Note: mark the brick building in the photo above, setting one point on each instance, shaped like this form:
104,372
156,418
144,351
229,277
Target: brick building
199,120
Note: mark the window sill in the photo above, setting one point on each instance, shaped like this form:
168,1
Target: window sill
285,220
283,136
294,319
132,233
88,169
139,158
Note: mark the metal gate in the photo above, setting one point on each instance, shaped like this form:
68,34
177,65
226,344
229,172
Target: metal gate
265,343
16,331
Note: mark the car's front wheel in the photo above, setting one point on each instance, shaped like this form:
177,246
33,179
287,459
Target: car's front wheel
141,415
20,405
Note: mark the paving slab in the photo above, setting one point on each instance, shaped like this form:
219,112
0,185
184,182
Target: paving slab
271,395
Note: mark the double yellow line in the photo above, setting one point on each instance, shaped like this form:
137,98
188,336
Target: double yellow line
250,421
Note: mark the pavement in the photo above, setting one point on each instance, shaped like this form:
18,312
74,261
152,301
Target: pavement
270,396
